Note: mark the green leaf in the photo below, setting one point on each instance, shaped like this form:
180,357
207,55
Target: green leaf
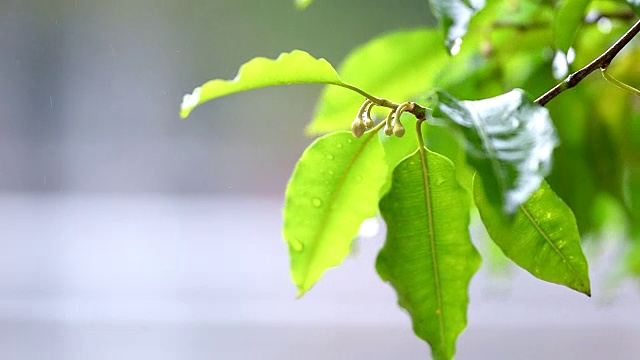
303,4
541,237
567,22
428,256
334,187
510,141
397,66
296,67
454,16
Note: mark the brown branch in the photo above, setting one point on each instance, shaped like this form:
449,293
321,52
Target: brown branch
600,62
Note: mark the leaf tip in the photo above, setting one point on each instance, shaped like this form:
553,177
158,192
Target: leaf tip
189,102
585,288
303,288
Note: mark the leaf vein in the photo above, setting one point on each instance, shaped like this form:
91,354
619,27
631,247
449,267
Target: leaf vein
553,246
432,242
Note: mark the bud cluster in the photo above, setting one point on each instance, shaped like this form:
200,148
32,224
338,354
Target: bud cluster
364,121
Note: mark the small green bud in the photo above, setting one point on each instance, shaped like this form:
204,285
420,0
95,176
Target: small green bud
398,129
358,127
388,130
368,122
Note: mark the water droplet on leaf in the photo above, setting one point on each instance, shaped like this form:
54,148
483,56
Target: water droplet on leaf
296,245
316,202
329,156
455,47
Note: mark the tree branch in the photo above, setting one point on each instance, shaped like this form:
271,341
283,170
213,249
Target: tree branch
600,62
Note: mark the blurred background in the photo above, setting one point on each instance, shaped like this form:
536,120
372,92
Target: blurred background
126,233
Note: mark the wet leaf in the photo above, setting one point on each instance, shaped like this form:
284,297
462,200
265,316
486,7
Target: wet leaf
541,237
296,67
510,141
334,187
428,256
454,16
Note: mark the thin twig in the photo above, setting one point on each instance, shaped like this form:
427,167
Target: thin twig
600,62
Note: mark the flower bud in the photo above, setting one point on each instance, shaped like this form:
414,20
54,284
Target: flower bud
388,130
357,127
398,129
368,122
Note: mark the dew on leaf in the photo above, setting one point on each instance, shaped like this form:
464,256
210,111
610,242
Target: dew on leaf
296,245
330,157
455,47
339,146
317,202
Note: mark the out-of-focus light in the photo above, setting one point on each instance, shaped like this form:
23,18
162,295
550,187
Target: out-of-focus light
604,25
455,48
560,66
571,56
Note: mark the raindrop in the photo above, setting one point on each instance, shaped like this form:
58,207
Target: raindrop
349,141
296,245
329,156
455,47
369,228
604,25
339,146
515,123
316,202
331,172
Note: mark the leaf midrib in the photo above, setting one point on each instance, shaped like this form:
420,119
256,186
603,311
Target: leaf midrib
488,146
334,195
432,242
553,246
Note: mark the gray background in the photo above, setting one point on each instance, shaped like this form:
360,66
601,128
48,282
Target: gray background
130,234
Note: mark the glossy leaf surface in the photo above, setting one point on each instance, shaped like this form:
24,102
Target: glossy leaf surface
428,256
454,16
334,187
296,67
397,66
510,141
541,237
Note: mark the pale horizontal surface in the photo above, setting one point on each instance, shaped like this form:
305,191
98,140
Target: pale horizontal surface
169,277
